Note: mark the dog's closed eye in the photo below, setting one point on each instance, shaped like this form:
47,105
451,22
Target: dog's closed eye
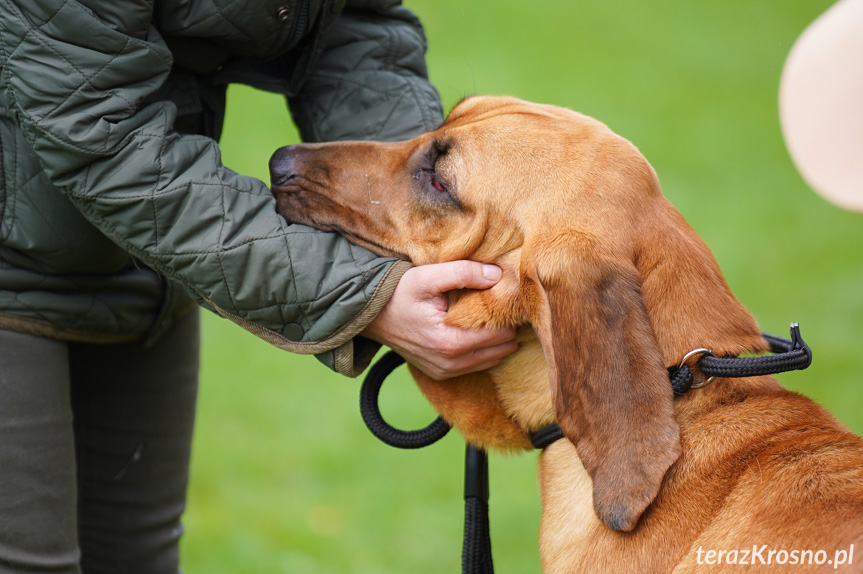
432,185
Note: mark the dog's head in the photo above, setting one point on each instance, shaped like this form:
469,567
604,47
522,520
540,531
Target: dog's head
614,283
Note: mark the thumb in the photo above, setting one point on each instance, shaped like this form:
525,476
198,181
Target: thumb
441,277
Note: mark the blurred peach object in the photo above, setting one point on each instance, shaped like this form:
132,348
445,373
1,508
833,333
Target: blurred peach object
821,104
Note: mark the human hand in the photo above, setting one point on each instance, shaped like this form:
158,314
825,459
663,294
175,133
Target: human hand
412,322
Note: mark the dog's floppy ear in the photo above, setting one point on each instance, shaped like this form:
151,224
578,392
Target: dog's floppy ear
611,393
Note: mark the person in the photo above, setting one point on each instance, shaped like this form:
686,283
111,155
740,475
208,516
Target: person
117,215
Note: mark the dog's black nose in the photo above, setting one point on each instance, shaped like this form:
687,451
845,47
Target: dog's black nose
282,166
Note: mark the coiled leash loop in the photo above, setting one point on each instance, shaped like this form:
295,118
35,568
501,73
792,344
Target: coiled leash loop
371,412
476,549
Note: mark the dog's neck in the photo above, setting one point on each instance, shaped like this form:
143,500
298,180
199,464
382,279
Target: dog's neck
686,297
684,294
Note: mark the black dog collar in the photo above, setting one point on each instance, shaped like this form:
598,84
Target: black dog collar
788,355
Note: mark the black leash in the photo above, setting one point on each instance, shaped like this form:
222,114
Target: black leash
476,548
788,355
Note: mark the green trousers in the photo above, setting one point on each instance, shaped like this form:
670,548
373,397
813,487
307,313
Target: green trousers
95,443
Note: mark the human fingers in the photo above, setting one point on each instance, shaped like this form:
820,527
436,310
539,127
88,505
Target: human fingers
467,340
446,367
439,278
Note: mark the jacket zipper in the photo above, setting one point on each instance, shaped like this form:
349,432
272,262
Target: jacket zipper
300,24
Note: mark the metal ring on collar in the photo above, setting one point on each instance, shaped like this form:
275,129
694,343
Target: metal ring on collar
692,353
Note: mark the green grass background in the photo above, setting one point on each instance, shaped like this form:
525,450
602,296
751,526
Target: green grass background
285,477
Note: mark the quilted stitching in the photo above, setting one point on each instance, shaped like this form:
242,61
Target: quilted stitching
362,45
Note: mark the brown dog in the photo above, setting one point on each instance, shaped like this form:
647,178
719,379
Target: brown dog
610,287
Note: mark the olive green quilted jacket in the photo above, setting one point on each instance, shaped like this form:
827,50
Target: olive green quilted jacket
109,111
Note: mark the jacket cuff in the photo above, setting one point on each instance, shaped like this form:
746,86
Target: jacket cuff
352,358
338,351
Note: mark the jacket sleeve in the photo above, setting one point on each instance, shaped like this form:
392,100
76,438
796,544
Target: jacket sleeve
371,81
76,80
